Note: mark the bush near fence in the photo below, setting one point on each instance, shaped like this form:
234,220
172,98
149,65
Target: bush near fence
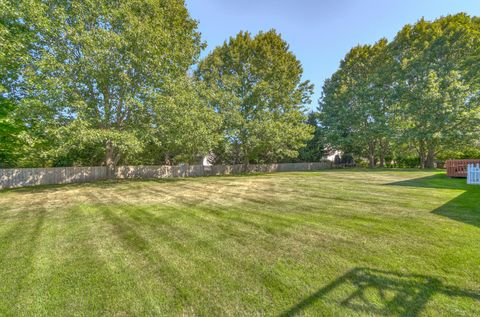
13,178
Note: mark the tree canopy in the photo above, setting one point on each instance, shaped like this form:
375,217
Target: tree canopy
355,102
438,104
258,91
108,74
415,93
121,82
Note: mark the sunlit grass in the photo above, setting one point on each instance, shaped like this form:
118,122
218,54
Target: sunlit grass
320,243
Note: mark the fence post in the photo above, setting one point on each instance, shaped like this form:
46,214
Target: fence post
473,178
477,174
472,174
469,174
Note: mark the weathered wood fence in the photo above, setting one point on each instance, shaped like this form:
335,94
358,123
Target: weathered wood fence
473,174
12,178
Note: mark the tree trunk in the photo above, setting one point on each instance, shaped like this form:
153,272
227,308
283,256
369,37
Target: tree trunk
110,160
245,163
430,159
371,154
382,153
421,154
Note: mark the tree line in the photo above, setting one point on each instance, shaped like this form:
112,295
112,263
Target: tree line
417,96
122,82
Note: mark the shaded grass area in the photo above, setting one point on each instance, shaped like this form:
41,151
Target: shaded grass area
330,243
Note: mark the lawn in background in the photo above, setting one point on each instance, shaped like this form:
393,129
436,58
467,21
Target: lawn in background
340,242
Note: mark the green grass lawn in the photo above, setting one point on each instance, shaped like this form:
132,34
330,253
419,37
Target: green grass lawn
329,243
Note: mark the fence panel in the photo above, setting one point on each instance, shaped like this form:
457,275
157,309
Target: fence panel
22,177
473,174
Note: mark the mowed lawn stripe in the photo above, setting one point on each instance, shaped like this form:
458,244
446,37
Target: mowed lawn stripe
343,242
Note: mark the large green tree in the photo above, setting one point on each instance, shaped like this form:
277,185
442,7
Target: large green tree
316,148
419,92
438,106
183,126
9,130
258,90
15,40
355,103
108,74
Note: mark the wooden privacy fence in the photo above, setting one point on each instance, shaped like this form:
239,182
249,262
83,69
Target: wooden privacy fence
22,177
473,174
458,168
12,178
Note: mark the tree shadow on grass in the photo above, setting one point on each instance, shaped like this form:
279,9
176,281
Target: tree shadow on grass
378,292
464,208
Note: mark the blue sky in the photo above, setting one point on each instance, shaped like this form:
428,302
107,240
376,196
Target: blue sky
319,32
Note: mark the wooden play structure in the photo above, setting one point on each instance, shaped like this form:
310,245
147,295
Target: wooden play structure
458,168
